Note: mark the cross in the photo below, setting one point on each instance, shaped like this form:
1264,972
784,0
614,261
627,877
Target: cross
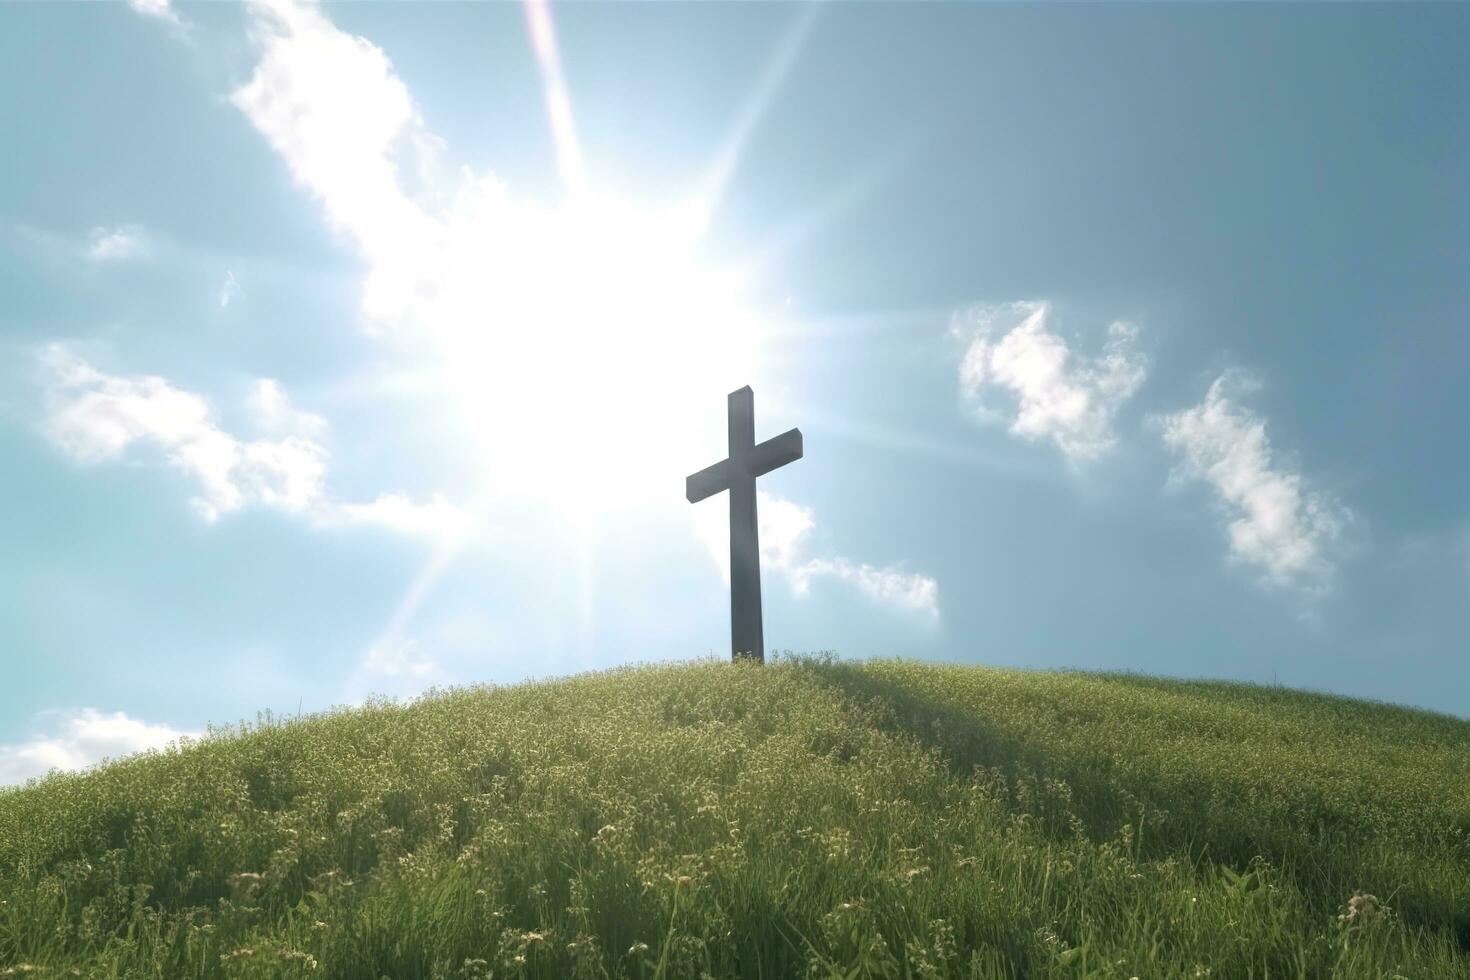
737,474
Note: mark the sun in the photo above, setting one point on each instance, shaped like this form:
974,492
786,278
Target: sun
586,344
582,343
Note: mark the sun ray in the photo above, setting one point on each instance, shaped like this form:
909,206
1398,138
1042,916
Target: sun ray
542,28
892,438
419,590
842,199
712,186
428,578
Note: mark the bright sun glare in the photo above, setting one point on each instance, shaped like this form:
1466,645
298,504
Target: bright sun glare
588,346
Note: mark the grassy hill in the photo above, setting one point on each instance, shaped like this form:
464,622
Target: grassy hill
887,819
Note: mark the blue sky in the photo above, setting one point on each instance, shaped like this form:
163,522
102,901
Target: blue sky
359,348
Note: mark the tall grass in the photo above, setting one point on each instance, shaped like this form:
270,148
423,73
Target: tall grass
815,819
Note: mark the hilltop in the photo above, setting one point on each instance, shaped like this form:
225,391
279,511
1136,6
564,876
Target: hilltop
882,819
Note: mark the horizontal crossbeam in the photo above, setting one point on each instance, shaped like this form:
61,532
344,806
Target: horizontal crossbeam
707,482
775,452
770,455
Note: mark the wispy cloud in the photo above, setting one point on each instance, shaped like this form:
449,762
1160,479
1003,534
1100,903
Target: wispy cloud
120,244
161,9
80,738
1058,395
785,530
889,585
1274,521
402,660
438,518
97,417
228,290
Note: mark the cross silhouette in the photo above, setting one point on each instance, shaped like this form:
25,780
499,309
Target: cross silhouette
737,474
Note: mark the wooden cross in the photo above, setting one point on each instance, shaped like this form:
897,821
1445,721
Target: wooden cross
737,474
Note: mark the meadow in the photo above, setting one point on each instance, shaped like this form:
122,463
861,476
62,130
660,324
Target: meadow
810,818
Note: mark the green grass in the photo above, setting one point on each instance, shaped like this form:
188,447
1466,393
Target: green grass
815,819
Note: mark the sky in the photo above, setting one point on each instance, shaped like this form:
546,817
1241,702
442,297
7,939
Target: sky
357,349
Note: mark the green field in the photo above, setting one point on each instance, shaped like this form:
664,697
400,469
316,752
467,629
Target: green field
812,819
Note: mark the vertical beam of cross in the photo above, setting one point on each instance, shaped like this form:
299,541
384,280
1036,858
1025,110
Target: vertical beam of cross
737,473
745,551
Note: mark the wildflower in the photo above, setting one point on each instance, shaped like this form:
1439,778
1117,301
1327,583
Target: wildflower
1363,909
299,956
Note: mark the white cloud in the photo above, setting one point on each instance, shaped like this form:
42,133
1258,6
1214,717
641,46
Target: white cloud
274,414
331,105
155,8
165,12
437,519
97,417
119,244
401,660
78,739
1274,521
785,529
396,667
1059,395
893,586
